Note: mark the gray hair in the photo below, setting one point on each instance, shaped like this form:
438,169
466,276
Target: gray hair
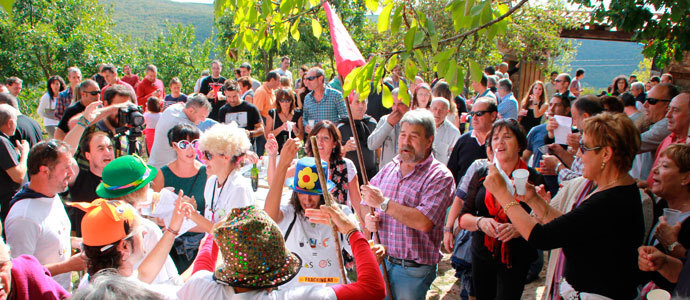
11,100
441,99
491,79
71,70
108,285
506,84
638,85
151,68
503,64
198,101
490,102
7,113
319,72
421,117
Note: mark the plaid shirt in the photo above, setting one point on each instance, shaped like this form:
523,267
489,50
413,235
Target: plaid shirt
429,189
64,101
331,107
574,171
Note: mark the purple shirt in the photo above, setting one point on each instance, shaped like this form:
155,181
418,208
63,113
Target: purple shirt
429,189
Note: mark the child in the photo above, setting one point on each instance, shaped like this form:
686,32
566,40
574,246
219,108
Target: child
175,95
151,116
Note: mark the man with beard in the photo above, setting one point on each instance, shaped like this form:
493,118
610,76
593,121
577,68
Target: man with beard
37,223
411,195
104,119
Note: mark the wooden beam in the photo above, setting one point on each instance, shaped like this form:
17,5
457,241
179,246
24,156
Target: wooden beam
603,35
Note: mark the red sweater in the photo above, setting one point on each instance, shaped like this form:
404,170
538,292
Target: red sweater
146,88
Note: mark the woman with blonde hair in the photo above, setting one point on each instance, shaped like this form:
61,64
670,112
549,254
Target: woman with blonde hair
601,234
533,106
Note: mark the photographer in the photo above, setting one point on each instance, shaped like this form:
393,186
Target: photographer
118,117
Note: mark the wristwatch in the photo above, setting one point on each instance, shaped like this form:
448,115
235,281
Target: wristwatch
384,205
672,246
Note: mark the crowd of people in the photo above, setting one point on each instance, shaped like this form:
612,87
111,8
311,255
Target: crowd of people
607,189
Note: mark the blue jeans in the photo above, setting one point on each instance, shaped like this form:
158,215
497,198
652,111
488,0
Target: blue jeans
410,283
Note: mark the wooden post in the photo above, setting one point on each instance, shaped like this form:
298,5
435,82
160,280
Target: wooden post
330,202
365,180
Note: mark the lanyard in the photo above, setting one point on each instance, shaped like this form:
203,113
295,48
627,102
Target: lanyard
213,198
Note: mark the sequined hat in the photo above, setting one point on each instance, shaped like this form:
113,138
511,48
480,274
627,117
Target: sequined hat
254,252
306,180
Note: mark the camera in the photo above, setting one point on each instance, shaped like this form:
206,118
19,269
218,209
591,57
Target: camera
131,116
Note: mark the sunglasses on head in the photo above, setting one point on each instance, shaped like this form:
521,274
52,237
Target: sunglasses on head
584,148
478,113
310,78
184,144
653,101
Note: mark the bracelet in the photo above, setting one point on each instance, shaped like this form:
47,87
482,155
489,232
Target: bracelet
557,166
509,205
476,223
546,210
174,232
350,233
447,229
83,120
82,124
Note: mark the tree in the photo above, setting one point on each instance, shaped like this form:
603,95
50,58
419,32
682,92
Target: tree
662,25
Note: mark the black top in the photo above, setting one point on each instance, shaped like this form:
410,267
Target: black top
277,122
465,152
529,121
246,115
375,107
27,129
205,87
82,190
364,128
521,252
599,240
70,112
8,159
683,287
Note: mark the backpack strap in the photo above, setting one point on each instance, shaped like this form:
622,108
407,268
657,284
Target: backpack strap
289,229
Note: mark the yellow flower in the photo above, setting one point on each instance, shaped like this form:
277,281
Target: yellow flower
307,178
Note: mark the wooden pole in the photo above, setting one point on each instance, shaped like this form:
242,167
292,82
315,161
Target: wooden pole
365,180
329,201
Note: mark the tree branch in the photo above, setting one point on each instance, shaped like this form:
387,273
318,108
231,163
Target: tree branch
467,33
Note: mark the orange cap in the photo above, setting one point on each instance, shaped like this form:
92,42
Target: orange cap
104,221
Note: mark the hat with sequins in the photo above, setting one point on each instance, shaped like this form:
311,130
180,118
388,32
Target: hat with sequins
253,250
306,179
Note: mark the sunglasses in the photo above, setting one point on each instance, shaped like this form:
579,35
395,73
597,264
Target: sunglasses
584,148
479,113
653,101
93,93
557,80
310,78
209,156
285,100
184,144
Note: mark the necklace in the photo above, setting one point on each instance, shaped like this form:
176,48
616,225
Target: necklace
612,184
213,197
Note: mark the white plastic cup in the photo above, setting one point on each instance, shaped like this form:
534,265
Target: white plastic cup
671,215
658,294
311,123
520,180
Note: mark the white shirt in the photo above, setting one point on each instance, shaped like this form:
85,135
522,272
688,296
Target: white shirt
444,141
46,109
152,234
40,227
235,193
314,244
285,73
202,286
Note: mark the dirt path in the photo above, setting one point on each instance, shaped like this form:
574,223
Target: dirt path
447,287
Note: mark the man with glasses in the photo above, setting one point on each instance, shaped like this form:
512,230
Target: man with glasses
193,112
37,223
89,92
472,145
678,117
562,85
245,114
656,108
322,103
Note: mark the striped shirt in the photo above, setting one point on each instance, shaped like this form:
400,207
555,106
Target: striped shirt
331,107
429,189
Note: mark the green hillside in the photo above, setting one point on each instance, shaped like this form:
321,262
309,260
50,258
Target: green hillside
145,19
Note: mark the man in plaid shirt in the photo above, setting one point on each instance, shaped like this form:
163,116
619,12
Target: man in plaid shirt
322,103
411,195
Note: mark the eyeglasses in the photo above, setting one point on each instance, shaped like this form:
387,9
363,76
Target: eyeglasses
209,156
310,78
285,100
558,80
183,144
653,101
479,113
93,93
584,148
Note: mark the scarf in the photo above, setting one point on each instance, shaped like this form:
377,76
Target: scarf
496,211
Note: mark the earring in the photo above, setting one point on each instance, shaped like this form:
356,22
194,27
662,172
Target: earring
603,165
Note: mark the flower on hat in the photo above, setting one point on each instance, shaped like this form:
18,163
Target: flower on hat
307,178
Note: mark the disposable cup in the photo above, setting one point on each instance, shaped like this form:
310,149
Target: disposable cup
520,180
671,215
658,294
311,123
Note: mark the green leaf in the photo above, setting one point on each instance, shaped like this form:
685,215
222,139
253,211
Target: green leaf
475,71
316,28
384,18
451,74
294,30
350,79
372,5
418,37
397,20
460,84
286,6
403,94
365,91
486,15
410,69
410,38
219,6
476,10
377,78
314,2
392,62
386,98
266,8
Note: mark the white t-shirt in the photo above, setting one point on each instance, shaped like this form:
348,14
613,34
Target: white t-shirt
40,227
314,244
235,193
152,234
46,109
202,286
